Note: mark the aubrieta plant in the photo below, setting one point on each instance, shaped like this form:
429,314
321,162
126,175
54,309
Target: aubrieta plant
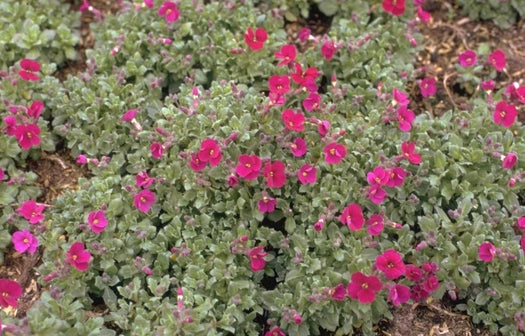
243,185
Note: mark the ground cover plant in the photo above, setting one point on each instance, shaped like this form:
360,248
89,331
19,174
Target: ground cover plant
240,179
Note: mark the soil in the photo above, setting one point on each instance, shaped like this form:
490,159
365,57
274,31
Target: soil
444,38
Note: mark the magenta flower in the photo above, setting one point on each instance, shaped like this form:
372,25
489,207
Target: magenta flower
323,126
255,40
157,149
352,216
497,60
338,293
487,85
266,204
413,273
10,291
334,153
423,15
31,211
257,261
398,294
144,200
24,241
275,174
376,194
427,86
10,125
142,180
505,114
509,161
78,256
394,7
29,69
35,109
399,97
27,135
312,102
431,284
275,331
379,176
397,177
522,243
196,164
304,34
82,159
2,174
391,264
301,77
521,223
287,54
408,150
293,121
405,118
210,152
328,50
249,166
486,252
97,221
363,287
298,147
279,84
374,225
307,174
129,115
467,58
170,11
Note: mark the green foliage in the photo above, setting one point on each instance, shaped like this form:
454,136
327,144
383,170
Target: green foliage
502,13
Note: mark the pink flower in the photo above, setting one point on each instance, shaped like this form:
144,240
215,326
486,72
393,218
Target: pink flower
129,115
27,135
487,85
379,176
257,261
157,149
319,225
467,58
323,126
279,84
408,151
82,159
78,256
232,180
10,125
376,194
29,69
398,294
413,273
374,225
312,102
249,166
431,284
397,177
275,331
97,221
363,287
255,40
170,11
298,147
338,293
307,174
31,211
497,60
210,152
35,109
521,224
405,118
142,180
423,15
522,243
505,114
24,241
399,97
328,50
304,34
276,99
509,161
390,263
274,173
394,7
287,54
10,291
149,3
266,204
334,153
427,87
486,252
293,121
196,164
352,216
301,77
2,174
144,200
